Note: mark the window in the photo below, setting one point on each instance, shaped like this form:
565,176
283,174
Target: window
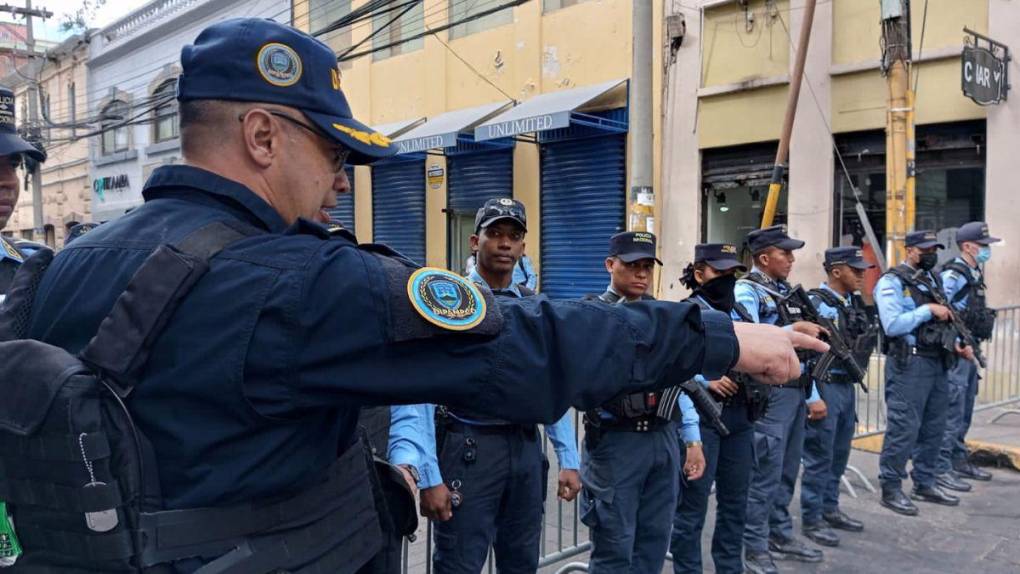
551,5
165,115
115,134
322,13
72,108
409,25
461,9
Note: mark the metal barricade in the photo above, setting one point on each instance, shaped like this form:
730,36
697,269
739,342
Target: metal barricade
564,537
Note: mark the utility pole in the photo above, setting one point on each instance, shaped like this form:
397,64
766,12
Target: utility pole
39,232
783,153
642,193
899,131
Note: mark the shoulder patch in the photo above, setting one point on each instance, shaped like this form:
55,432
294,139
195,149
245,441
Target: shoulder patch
446,299
7,250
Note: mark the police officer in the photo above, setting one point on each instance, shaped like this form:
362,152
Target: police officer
964,284
631,459
779,434
12,151
253,385
916,390
728,459
78,230
495,468
827,441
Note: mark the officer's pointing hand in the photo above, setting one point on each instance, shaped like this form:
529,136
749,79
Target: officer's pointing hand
767,352
437,503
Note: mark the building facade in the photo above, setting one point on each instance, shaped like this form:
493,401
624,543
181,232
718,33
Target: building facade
66,194
727,89
529,102
133,68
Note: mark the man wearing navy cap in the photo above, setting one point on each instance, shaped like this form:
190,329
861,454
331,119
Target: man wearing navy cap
916,389
13,149
253,385
630,464
827,441
963,281
779,434
728,459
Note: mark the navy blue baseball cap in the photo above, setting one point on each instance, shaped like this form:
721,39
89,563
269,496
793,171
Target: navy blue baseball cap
631,246
923,240
976,231
10,142
719,256
852,256
259,60
499,209
78,230
774,236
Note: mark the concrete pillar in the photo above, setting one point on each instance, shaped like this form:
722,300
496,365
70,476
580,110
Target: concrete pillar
810,192
680,202
1002,210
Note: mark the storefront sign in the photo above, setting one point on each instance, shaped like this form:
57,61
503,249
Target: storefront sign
435,176
984,77
422,144
522,126
109,183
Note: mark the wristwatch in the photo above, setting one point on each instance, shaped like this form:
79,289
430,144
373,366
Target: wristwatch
691,443
414,472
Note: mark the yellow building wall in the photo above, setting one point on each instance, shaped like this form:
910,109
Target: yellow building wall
741,117
732,54
538,52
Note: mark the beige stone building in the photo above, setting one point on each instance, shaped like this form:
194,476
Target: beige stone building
65,187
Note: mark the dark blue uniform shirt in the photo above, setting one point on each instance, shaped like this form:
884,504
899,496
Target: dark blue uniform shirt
254,385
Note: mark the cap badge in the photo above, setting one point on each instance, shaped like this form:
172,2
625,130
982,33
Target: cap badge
374,138
279,64
858,253
445,299
731,249
507,202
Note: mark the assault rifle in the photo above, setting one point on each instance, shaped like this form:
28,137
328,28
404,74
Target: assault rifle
959,328
706,406
838,347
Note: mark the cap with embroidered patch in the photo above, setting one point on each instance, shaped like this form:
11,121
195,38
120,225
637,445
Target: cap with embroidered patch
852,256
774,236
923,240
719,256
500,209
259,60
10,142
976,231
631,246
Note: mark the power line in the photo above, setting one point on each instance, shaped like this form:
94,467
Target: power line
472,68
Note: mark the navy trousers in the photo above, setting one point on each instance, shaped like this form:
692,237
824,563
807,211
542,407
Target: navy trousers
917,400
502,478
963,389
826,452
631,483
778,442
728,463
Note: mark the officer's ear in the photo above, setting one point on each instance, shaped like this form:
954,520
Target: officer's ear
259,133
473,243
610,261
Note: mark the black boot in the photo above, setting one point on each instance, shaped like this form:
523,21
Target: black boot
793,549
759,563
967,470
820,533
839,520
951,481
933,494
895,500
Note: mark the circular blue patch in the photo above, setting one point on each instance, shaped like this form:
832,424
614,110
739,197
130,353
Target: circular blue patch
445,299
279,64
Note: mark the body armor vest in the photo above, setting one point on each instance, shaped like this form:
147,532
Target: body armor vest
976,314
789,311
929,335
857,326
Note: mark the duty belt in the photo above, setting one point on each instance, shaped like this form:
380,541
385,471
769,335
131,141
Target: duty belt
496,429
648,423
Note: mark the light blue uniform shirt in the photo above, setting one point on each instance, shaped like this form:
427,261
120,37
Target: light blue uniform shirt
953,282
828,312
561,434
896,309
752,297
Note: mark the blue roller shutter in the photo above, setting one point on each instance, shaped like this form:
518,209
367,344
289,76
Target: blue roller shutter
344,210
476,177
398,207
583,205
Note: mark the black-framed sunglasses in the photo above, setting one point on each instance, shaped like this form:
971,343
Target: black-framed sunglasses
340,152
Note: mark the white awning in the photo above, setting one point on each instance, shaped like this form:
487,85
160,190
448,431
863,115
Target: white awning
548,111
442,130
396,129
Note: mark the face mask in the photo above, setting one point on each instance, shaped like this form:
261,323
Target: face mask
719,292
984,254
928,261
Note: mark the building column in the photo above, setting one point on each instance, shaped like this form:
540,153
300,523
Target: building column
680,204
1002,211
810,190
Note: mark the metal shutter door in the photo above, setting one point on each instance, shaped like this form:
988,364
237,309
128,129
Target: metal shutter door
476,177
344,210
398,207
583,205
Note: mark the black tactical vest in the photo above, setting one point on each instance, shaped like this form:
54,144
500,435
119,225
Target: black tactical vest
789,311
976,314
857,326
79,477
929,335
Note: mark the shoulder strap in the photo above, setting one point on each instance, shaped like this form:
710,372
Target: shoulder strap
525,290
17,307
965,272
741,312
121,347
830,299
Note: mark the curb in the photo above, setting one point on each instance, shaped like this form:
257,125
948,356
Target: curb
982,452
